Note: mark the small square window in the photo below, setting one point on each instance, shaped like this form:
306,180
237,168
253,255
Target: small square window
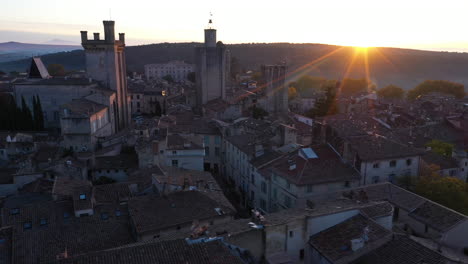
393,163
14,211
104,216
43,222
82,196
27,225
376,165
409,161
347,184
291,233
174,152
118,213
66,215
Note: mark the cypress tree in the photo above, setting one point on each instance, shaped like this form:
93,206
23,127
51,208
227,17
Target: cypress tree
27,120
40,114
157,110
34,109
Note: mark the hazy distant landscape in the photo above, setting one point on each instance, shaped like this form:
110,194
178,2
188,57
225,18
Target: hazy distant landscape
402,67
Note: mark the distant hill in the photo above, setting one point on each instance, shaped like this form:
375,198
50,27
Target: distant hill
402,67
11,51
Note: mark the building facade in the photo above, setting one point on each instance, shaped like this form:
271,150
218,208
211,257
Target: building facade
178,70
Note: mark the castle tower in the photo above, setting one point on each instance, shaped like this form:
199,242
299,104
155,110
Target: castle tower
211,70
276,90
105,62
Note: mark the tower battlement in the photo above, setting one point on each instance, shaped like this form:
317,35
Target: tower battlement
109,37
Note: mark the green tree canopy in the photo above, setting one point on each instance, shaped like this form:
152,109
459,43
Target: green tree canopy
440,86
391,92
56,69
325,106
157,108
191,76
292,92
354,86
305,84
440,147
168,78
258,112
448,191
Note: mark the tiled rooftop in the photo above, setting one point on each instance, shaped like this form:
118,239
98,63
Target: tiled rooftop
335,242
152,213
402,250
166,252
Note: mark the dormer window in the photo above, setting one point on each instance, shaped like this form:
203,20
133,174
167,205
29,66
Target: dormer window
27,225
82,196
14,211
43,222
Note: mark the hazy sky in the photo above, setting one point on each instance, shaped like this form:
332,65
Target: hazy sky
428,24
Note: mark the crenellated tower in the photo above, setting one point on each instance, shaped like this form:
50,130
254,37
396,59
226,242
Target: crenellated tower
105,62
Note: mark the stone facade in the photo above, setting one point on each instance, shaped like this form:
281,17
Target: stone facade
178,70
211,69
105,62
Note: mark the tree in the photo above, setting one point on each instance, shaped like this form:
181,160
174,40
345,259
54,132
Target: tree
325,106
391,92
306,84
355,86
258,112
440,86
191,76
56,69
157,109
168,78
292,93
440,147
448,191
38,115
26,120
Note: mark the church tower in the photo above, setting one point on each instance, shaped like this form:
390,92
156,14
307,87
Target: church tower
105,62
211,70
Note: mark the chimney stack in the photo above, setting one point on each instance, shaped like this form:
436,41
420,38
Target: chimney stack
84,36
96,36
109,33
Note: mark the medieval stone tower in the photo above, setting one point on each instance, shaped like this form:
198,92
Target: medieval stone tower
211,68
105,62
276,90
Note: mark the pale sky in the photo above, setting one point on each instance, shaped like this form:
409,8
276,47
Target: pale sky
428,24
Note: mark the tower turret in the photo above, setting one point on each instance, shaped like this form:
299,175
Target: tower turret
109,34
